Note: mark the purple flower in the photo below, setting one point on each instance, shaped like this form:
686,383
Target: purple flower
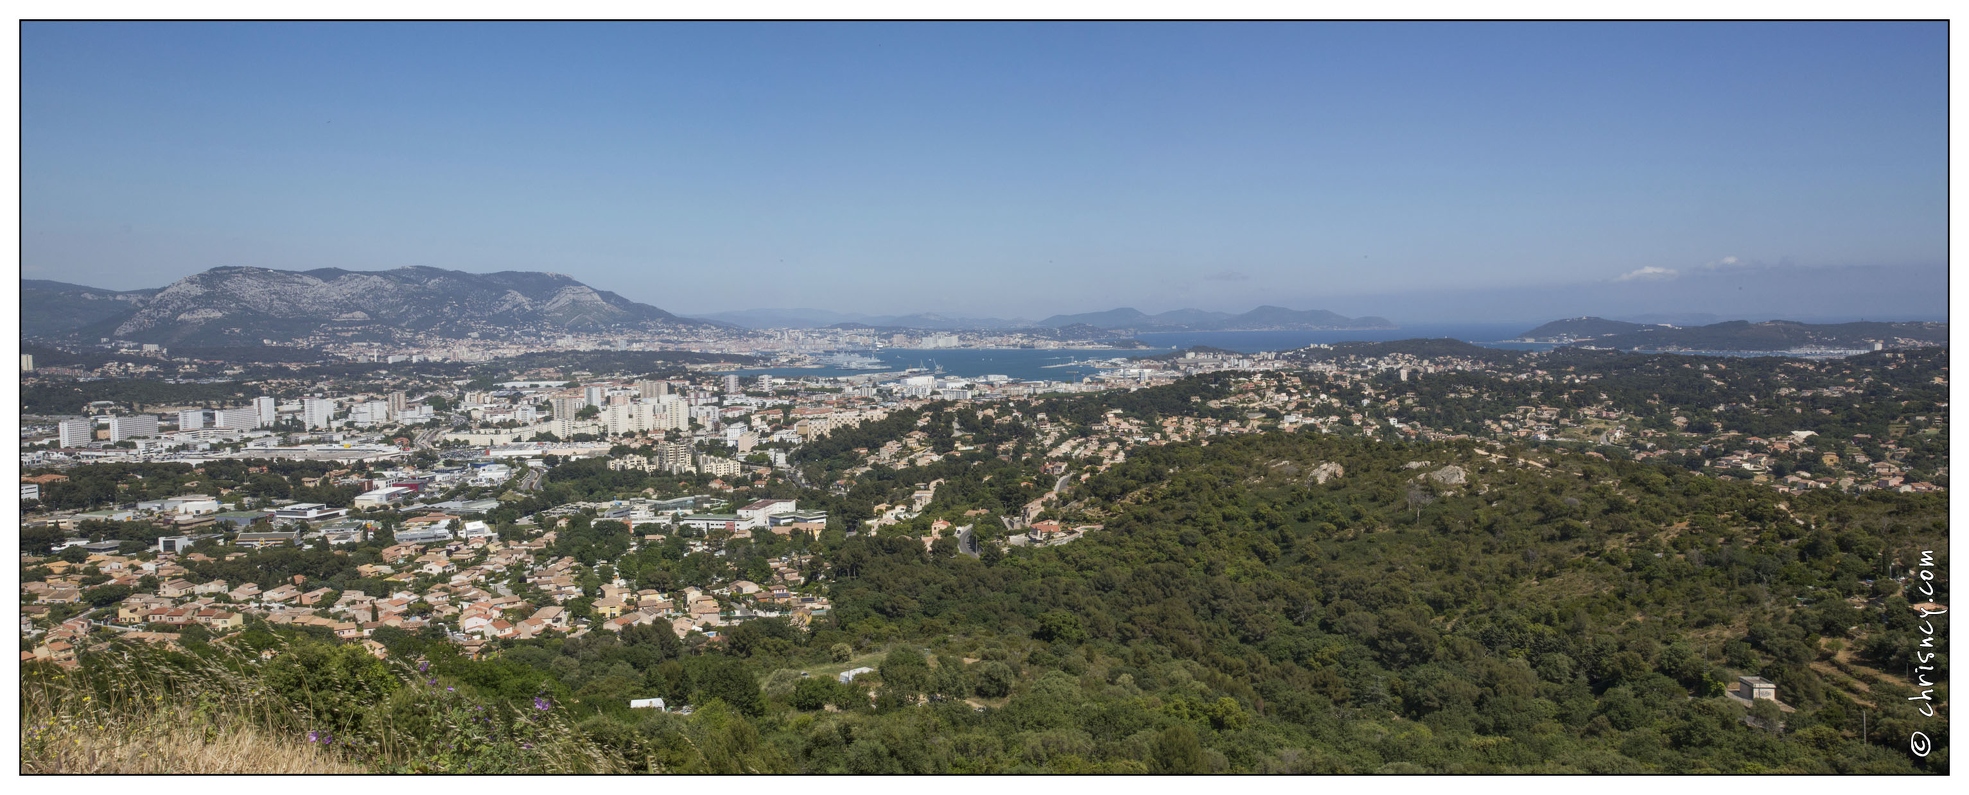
314,737
434,683
451,690
541,704
424,666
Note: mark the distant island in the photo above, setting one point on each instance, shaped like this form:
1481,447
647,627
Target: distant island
1737,335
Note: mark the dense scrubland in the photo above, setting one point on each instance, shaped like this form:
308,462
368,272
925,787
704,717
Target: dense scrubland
1429,608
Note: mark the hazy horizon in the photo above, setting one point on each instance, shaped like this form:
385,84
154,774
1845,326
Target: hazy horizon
1718,295
1490,172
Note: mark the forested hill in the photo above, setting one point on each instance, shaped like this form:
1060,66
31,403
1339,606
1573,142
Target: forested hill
1579,328
1264,603
1427,608
1738,335
1419,347
1778,335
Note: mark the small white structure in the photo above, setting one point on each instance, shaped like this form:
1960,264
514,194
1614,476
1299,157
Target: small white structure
648,703
849,675
1756,687
1751,689
388,495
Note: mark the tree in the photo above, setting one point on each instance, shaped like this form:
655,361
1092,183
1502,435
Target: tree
948,682
992,679
1177,750
1059,625
814,693
904,673
726,679
658,639
106,595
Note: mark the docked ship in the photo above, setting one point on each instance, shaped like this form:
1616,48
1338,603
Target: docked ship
854,361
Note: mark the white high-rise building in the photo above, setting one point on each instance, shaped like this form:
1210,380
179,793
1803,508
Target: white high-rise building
121,428
596,395
191,420
317,412
732,386
265,411
77,432
240,419
373,412
617,419
652,389
562,427
672,413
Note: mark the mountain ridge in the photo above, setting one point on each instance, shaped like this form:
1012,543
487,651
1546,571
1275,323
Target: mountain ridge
1737,335
51,307
1579,328
237,305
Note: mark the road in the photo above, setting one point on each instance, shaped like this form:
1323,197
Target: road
424,438
799,478
533,479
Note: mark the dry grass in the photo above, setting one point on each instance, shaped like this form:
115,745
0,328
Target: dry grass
173,739
195,718
136,709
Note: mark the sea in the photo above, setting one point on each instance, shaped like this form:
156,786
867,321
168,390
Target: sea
1069,364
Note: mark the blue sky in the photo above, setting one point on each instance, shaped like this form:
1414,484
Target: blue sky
1005,169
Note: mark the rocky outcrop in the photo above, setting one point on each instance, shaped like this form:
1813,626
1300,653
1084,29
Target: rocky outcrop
1451,475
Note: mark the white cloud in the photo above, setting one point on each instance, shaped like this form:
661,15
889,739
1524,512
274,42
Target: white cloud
1649,273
